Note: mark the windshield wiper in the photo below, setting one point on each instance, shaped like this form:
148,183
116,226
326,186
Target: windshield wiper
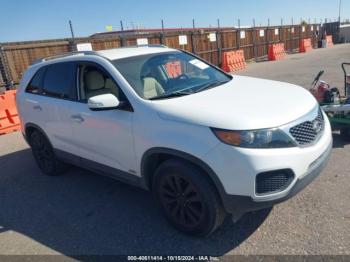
185,92
174,94
210,85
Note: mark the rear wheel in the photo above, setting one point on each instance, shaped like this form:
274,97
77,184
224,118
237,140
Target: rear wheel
188,199
45,156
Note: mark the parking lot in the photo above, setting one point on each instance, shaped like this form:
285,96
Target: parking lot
81,213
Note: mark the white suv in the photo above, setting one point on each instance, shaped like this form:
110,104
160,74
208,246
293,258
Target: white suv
206,143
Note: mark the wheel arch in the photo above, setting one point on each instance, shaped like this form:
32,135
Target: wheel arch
153,157
29,128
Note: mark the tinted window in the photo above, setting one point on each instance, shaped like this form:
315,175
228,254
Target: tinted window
59,81
35,85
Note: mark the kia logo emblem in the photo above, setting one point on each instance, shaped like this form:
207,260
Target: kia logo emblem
317,126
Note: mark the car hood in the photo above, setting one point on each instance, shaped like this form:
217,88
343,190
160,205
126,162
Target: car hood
244,103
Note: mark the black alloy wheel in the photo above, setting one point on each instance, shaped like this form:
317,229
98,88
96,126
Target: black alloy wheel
44,155
187,197
182,200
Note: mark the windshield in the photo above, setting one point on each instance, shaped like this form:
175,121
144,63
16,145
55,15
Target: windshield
171,74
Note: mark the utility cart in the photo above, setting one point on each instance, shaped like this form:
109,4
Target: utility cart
337,108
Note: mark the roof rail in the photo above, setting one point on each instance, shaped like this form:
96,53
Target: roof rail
155,45
65,55
146,45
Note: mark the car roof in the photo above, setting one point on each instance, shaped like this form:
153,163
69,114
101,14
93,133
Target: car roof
118,53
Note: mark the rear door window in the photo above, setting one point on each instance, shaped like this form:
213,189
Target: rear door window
60,81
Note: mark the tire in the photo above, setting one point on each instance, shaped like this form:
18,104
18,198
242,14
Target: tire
45,156
187,198
345,134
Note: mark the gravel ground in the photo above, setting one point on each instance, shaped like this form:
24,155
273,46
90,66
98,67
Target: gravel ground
81,213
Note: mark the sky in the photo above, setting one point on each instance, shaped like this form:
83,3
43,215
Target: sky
22,20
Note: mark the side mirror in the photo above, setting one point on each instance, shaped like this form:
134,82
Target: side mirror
103,102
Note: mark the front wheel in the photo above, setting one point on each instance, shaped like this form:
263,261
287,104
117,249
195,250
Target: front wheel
188,198
45,156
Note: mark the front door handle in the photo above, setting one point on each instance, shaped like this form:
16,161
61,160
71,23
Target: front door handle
77,118
37,108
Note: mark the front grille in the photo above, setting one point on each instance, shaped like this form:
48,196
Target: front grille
308,132
273,182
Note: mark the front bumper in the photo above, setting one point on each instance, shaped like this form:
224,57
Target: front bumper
243,204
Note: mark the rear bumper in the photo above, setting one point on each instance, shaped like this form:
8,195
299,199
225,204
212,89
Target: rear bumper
242,204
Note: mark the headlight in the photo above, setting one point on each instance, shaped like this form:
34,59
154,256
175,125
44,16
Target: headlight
264,138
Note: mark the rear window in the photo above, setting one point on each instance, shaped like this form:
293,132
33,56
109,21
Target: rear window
59,81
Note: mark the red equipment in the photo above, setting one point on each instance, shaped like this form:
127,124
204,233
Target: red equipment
320,90
324,93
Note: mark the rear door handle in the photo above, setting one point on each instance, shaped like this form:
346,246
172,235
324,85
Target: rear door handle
37,108
77,118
